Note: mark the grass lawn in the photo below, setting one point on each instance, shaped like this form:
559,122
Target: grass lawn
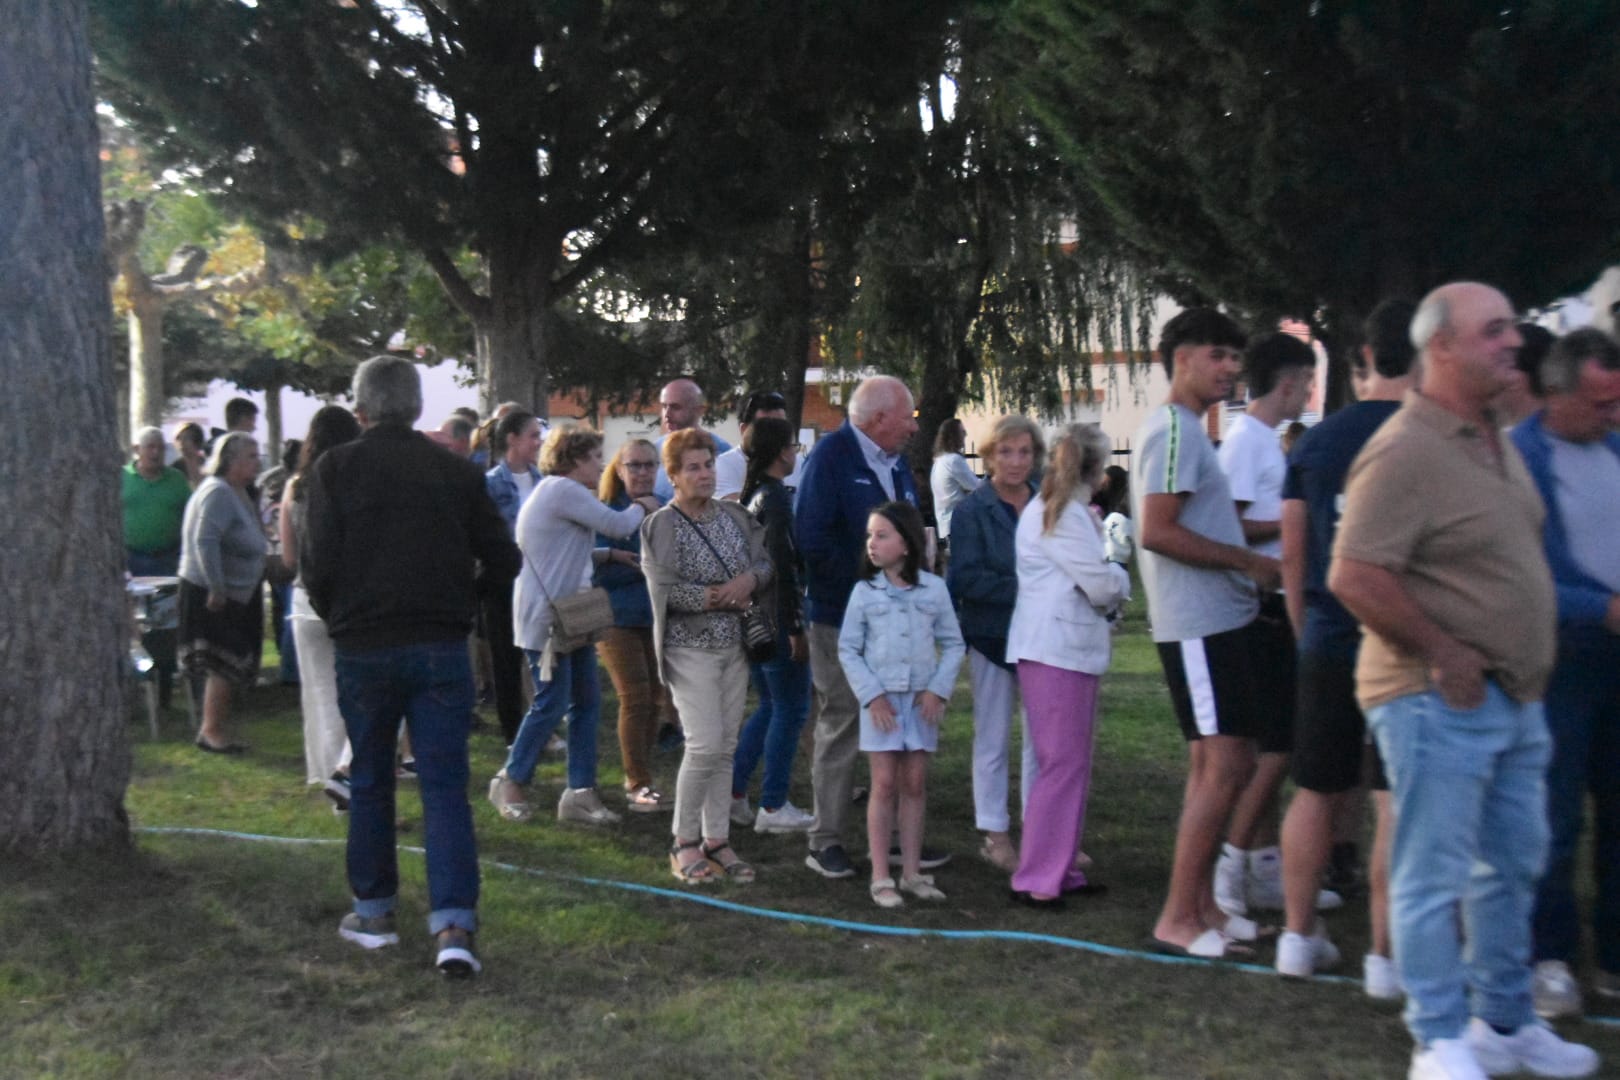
203,956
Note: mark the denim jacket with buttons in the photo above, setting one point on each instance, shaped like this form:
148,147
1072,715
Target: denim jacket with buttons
900,640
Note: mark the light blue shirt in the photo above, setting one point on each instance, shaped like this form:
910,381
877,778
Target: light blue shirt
881,461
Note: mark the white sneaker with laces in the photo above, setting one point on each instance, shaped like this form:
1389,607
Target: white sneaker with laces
741,812
1535,1048
1380,979
1299,956
584,805
786,818
1444,1059
1554,990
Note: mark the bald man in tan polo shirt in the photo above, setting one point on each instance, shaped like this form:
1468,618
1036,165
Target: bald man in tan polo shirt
1439,556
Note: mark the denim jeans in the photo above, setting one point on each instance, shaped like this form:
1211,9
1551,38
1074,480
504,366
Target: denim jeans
1583,715
572,690
280,618
430,687
1469,789
784,705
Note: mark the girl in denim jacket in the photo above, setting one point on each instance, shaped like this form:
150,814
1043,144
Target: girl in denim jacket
898,616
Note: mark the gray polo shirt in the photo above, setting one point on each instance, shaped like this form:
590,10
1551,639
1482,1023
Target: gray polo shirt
1173,456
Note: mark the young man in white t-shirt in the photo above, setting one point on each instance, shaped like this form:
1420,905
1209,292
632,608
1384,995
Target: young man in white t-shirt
1279,368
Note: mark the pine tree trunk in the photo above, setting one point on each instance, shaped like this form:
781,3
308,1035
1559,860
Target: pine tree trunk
64,755
801,300
513,336
146,397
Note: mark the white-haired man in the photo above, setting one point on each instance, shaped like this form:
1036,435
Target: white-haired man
850,472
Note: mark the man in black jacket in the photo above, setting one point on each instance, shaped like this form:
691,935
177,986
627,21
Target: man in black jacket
399,537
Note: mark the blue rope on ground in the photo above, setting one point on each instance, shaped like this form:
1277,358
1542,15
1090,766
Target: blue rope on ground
850,925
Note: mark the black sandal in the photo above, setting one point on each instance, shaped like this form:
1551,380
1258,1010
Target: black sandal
693,873
737,870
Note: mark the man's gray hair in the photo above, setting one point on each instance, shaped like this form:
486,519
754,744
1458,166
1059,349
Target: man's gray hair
230,448
880,393
387,389
1561,367
149,433
1432,316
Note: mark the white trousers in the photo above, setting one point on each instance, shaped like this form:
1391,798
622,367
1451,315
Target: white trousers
993,690
326,742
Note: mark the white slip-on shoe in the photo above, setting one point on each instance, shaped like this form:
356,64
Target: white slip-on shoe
1535,1048
1444,1059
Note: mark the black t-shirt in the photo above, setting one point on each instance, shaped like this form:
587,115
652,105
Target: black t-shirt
1316,473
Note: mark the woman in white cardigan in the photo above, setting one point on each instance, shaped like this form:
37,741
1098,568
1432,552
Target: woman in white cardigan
1061,639
556,531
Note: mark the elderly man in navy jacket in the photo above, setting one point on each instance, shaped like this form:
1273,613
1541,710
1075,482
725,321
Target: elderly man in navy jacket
1573,453
856,468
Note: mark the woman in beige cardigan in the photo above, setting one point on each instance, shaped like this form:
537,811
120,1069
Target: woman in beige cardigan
706,564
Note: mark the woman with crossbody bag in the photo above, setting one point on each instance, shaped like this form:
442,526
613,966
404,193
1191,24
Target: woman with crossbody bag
706,567
556,530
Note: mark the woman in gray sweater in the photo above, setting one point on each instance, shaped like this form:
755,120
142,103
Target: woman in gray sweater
222,550
556,531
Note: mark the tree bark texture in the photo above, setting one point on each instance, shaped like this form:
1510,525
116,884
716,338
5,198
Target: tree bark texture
64,754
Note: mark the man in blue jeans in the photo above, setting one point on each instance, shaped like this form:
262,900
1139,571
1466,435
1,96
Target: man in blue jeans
1439,556
1573,453
399,537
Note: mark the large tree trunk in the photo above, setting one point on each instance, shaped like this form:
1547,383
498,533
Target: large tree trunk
513,335
64,757
802,329
146,396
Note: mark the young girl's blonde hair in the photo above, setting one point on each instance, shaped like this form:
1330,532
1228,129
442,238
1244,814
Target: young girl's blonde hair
1074,468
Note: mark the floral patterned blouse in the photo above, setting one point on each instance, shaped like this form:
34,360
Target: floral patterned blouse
690,626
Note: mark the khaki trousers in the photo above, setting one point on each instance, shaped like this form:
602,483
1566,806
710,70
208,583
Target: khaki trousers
710,688
838,738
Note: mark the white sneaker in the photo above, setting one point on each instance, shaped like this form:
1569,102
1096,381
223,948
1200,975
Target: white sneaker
741,812
584,805
1535,1048
1299,956
784,819
1444,1059
1230,871
1380,979
1554,990
1263,887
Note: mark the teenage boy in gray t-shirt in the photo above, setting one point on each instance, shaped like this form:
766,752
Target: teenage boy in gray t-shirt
1202,584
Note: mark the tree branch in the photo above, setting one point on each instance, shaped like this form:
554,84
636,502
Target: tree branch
462,294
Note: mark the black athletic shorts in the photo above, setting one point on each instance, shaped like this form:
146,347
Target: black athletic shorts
1275,682
1332,752
1212,684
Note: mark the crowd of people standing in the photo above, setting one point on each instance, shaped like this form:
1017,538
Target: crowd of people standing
1411,600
